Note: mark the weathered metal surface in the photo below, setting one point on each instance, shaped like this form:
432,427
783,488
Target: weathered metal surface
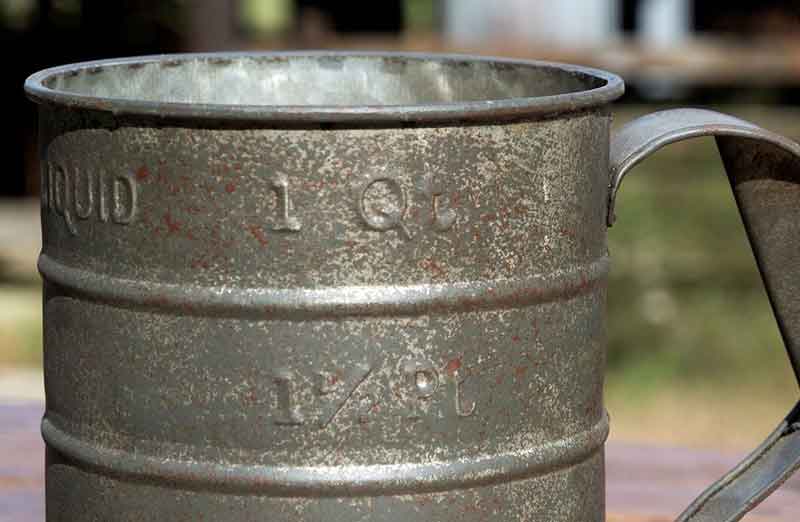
764,172
324,287
248,319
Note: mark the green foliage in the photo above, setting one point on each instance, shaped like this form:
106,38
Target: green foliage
20,324
420,15
266,17
686,304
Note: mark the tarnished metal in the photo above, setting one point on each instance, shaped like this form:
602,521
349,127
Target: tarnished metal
324,286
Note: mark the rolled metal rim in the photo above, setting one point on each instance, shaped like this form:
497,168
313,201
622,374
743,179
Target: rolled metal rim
611,88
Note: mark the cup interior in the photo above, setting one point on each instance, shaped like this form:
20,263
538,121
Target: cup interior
319,79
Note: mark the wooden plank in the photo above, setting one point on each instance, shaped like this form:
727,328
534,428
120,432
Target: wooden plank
21,463
657,483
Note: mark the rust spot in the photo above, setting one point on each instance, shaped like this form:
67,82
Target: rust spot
453,365
230,187
199,263
158,300
515,338
519,371
173,225
568,232
313,185
432,266
258,233
142,173
102,105
250,397
498,379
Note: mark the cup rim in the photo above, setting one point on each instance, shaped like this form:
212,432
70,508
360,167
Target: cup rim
522,108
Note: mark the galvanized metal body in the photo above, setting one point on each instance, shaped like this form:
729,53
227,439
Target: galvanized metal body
324,287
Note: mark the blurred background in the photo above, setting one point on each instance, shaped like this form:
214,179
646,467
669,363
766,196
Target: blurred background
694,351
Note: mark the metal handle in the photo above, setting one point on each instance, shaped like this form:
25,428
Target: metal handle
764,171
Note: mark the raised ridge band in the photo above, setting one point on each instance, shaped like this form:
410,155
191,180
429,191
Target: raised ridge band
332,481
302,303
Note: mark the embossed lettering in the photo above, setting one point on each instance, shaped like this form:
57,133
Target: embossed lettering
124,199
328,382
74,193
382,204
318,399
103,210
368,403
288,412
442,217
422,381
455,396
84,212
338,387
60,196
285,222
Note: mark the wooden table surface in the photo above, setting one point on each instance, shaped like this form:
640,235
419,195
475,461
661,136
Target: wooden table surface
645,483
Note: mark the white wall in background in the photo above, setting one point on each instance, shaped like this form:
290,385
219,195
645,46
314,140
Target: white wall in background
565,23
664,23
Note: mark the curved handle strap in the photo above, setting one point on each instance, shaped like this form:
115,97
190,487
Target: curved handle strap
764,171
